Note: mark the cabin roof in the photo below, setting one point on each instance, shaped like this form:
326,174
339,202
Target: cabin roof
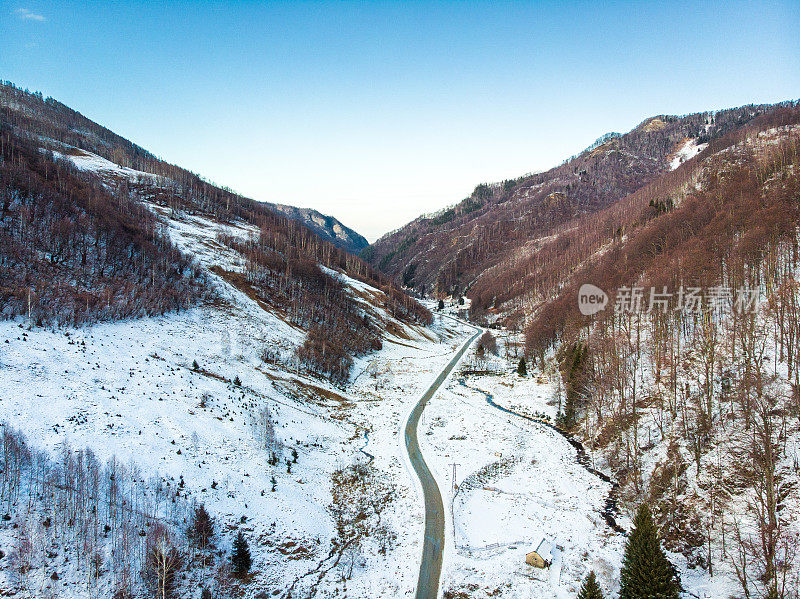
545,550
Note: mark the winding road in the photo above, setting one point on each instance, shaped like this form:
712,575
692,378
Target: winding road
430,569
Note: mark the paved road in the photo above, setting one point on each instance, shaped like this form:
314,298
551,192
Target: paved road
430,568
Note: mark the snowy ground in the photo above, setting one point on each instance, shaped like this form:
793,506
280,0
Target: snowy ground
129,389
517,483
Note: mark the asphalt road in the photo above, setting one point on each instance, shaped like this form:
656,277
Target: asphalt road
430,569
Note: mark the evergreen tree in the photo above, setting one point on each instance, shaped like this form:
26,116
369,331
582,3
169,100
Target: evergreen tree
590,588
240,558
575,370
202,528
646,571
522,368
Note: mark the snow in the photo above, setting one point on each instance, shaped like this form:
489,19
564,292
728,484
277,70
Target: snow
518,482
87,161
688,149
129,389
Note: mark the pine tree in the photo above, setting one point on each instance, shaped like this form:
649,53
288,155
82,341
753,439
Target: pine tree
202,528
590,588
522,368
646,571
240,558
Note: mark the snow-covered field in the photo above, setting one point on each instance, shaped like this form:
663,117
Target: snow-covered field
517,483
129,389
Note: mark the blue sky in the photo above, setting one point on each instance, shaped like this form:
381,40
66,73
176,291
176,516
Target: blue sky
377,112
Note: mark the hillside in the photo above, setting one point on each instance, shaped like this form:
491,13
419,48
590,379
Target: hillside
686,384
683,383
85,238
327,227
166,345
48,118
460,248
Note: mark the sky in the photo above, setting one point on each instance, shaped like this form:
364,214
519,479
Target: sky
378,112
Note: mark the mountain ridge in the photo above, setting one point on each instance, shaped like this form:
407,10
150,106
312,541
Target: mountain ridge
84,133
447,252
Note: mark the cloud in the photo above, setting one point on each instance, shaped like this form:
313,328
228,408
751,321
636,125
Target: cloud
29,15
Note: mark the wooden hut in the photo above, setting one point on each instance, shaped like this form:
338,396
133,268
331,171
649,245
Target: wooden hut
542,556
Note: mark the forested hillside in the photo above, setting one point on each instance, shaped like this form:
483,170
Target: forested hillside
467,248
86,230
48,118
687,383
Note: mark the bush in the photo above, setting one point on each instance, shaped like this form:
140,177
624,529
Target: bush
488,343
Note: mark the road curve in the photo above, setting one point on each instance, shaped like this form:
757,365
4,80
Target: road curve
430,569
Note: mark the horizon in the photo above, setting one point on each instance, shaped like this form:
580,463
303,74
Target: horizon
376,114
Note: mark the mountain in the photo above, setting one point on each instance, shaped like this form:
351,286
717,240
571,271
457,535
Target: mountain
327,227
179,364
656,277
500,225
60,122
95,228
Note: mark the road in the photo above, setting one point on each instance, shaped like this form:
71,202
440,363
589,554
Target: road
430,569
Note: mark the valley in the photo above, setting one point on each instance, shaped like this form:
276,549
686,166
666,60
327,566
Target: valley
205,396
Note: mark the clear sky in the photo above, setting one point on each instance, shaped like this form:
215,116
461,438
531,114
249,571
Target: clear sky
377,112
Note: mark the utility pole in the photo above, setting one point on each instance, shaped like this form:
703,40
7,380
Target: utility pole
454,476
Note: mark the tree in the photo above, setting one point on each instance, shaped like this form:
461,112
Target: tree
163,562
240,558
522,368
488,342
575,371
646,571
202,527
590,588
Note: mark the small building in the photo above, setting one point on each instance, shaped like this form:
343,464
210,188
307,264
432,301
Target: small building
542,557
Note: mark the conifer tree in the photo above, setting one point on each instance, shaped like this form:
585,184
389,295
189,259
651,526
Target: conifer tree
646,571
202,528
522,368
590,588
240,558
